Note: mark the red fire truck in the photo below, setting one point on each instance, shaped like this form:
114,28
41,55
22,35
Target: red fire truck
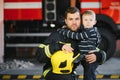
44,16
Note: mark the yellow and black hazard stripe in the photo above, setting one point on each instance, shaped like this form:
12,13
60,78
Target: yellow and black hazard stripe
101,76
38,76
20,77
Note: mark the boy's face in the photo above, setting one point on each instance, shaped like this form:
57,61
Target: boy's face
73,21
88,21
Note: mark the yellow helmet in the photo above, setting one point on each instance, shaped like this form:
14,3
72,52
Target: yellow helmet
62,62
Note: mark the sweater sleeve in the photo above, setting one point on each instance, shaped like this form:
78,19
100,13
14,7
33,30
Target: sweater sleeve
74,35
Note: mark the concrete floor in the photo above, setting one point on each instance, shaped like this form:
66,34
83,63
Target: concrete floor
110,67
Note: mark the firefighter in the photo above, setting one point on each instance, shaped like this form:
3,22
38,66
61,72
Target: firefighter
57,42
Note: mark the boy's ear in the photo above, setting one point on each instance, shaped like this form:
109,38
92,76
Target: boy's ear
95,22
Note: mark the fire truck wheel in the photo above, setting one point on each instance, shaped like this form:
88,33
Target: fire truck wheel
108,42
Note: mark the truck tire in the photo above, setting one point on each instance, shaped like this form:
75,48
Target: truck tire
108,42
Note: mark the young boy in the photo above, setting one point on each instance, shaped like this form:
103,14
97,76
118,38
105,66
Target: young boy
88,41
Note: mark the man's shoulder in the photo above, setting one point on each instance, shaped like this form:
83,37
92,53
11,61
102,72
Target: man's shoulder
55,34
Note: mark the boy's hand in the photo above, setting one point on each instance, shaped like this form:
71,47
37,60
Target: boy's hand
67,48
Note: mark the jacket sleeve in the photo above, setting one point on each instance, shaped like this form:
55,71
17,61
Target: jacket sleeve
48,47
74,35
101,56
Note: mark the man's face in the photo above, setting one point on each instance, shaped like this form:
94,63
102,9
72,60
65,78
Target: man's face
73,21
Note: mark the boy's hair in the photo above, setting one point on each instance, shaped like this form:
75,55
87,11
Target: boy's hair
89,12
71,10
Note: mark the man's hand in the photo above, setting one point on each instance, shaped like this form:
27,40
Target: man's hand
90,58
67,48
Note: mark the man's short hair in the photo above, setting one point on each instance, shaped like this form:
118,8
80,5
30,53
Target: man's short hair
71,10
